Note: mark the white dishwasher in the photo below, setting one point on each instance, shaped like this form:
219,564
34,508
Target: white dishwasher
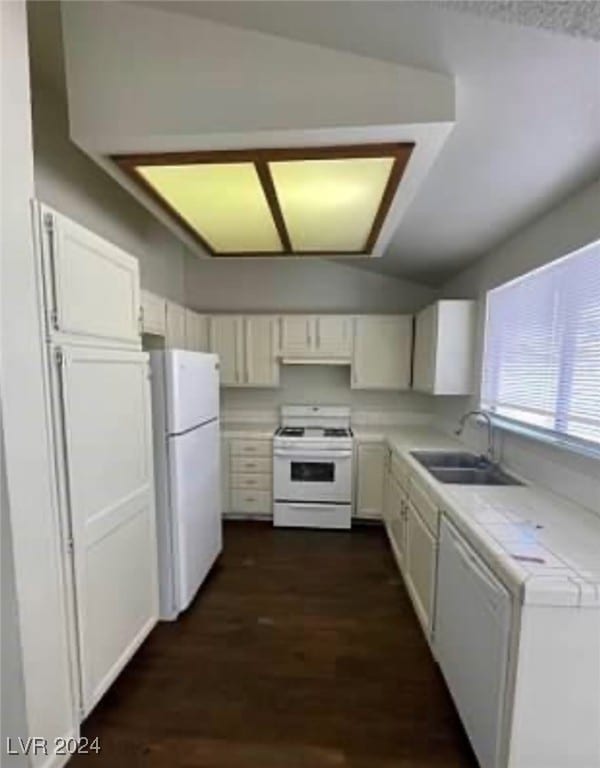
471,637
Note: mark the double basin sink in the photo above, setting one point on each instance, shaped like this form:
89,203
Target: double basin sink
463,468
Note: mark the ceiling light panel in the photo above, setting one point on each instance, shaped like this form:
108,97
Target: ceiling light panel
223,202
329,205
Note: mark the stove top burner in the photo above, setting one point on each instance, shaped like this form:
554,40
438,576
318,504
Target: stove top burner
314,432
337,432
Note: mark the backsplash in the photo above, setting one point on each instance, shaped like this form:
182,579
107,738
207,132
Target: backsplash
322,385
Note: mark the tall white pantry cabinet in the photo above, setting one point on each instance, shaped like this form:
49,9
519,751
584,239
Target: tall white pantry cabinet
99,401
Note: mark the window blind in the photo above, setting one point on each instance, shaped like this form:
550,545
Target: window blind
541,362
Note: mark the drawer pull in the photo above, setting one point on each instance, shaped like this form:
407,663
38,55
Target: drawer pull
250,499
250,465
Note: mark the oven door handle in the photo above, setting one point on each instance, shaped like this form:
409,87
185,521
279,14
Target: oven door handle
321,457
315,504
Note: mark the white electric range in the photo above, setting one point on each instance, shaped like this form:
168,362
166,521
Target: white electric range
312,467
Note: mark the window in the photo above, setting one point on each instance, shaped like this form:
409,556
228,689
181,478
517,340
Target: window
541,365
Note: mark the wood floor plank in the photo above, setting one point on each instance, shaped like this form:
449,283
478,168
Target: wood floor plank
302,649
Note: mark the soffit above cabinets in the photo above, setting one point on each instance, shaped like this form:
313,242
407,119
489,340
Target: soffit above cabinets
276,202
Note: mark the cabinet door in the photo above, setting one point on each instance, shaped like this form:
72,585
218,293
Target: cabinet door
94,286
175,326
421,566
225,476
110,493
425,349
226,340
261,365
333,335
382,352
154,313
370,479
297,335
196,331
397,522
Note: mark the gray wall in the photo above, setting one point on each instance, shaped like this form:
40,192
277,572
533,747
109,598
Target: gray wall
296,285
569,226
69,181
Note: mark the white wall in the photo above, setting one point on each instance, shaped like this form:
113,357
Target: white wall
574,223
37,561
12,699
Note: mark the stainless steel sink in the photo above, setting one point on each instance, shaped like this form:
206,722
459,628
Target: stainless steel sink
460,460
463,468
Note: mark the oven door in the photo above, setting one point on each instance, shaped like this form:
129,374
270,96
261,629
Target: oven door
312,476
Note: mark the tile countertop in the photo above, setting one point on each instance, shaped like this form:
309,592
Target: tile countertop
544,548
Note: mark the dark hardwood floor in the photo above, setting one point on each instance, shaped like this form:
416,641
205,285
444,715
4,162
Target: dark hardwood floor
301,651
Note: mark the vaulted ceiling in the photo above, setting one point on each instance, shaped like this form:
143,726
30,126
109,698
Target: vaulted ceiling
527,126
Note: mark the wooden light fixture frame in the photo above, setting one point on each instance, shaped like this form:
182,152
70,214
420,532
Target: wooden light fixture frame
261,158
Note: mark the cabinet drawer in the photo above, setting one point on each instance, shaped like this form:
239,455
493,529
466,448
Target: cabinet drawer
251,502
258,482
249,465
424,504
251,448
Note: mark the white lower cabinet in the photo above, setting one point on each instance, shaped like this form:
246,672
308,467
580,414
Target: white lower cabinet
421,563
225,475
395,518
370,474
249,477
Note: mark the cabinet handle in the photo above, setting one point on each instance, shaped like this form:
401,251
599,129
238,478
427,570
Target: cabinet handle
250,498
250,465
308,332
318,333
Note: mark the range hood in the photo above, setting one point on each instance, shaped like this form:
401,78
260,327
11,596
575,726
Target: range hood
315,360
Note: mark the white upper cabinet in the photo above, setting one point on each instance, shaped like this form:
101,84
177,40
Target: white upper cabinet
382,352
196,331
154,313
226,340
175,326
94,289
297,335
333,336
314,336
260,354
444,348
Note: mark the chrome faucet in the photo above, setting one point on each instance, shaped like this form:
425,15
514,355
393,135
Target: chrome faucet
490,425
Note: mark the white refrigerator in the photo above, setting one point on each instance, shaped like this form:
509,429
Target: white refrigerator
185,409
